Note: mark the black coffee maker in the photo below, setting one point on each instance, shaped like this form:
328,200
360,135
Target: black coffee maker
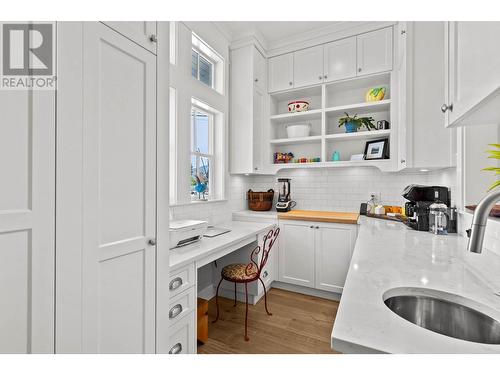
420,198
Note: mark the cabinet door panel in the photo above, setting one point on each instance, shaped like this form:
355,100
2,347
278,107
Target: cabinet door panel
340,59
138,31
374,51
281,72
27,215
296,255
472,74
308,66
333,255
258,121
119,168
259,69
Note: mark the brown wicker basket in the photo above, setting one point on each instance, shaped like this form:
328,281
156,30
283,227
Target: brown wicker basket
260,200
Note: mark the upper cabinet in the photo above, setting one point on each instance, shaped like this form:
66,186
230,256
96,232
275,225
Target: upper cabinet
340,59
281,72
247,110
140,32
473,74
374,51
308,66
355,56
426,90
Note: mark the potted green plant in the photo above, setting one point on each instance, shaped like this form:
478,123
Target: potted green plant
494,154
352,124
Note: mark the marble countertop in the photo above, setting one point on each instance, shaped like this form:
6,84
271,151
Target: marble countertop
389,255
240,232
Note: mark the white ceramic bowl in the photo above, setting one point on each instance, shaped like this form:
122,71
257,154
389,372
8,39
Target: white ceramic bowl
298,106
298,130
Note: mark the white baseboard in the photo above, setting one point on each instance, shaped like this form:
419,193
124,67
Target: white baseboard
307,291
207,293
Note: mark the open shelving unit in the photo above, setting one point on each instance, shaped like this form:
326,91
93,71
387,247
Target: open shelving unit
327,103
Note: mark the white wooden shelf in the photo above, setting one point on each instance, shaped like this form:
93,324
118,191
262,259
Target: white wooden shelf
383,164
298,140
372,134
381,105
306,115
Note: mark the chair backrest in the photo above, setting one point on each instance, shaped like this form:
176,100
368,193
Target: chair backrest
267,245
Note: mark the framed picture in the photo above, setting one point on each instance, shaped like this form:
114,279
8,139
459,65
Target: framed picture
377,149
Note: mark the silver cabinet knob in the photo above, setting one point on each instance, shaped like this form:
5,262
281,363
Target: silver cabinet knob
325,77
290,83
152,242
152,38
403,161
317,227
312,227
175,283
320,78
359,69
403,32
176,349
174,311
256,80
445,108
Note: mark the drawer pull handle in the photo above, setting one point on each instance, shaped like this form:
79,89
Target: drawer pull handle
265,274
174,311
175,283
176,349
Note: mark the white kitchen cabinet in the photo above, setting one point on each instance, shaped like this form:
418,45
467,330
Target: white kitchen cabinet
27,217
340,59
259,70
296,254
142,32
333,250
247,112
472,73
308,67
315,255
280,72
425,93
374,52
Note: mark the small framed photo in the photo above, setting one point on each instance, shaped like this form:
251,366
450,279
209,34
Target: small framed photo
377,149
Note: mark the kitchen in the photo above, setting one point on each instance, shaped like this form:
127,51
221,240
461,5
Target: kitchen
250,187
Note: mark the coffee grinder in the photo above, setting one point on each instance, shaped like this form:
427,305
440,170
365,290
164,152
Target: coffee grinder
284,203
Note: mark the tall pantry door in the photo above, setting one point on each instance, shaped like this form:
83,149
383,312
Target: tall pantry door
119,188
27,214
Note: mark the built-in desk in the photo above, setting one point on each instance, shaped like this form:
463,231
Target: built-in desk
184,263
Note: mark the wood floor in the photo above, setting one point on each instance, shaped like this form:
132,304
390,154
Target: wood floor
299,324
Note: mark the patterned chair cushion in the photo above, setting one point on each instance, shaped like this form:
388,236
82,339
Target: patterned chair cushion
237,272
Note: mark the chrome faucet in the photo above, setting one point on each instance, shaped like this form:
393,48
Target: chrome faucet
479,220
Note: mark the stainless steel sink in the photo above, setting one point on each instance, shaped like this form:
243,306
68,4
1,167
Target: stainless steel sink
437,314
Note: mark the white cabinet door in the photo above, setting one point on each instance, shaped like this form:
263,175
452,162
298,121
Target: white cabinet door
308,66
259,70
296,255
340,59
334,245
280,72
141,32
119,167
258,121
473,66
27,207
374,51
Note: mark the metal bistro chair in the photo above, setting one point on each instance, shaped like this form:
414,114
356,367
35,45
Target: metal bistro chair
241,273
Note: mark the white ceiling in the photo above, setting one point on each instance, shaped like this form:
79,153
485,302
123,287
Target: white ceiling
273,31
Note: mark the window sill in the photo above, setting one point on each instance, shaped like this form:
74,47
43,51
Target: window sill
197,202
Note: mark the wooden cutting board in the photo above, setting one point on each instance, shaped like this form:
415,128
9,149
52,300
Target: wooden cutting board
321,216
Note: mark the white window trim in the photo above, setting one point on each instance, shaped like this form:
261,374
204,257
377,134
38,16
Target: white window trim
200,46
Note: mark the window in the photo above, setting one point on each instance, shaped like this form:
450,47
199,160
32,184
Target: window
202,156
207,66
202,68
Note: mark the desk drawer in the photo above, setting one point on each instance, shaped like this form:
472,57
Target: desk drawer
182,338
181,305
181,279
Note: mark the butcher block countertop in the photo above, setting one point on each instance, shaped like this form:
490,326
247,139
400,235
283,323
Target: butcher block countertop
320,216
